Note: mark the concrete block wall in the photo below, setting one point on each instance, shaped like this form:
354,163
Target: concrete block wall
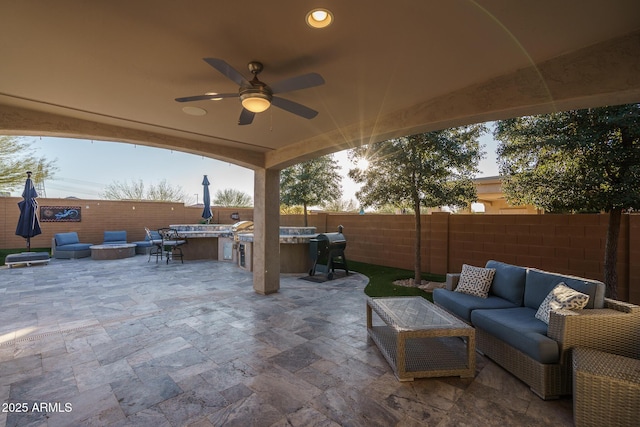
633,282
382,239
569,244
98,216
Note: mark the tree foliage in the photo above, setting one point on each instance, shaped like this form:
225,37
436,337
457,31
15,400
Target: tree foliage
232,198
572,161
135,190
310,183
290,210
341,205
16,158
425,170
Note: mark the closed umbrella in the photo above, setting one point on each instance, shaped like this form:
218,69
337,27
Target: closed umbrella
28,225
206,199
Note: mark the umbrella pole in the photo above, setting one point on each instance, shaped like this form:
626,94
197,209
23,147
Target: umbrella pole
28,244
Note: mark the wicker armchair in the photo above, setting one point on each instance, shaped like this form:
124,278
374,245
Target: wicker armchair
613,328
606,388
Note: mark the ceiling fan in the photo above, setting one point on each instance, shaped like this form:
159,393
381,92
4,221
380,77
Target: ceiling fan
257,96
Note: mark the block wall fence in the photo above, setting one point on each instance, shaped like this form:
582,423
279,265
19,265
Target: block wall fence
568,244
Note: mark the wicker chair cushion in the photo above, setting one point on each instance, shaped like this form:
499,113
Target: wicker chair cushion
74,247
115,237
462,304
508,281
475,280
66,238
561,296
539,283
519,328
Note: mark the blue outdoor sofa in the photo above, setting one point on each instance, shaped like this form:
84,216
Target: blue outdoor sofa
68,246
511,331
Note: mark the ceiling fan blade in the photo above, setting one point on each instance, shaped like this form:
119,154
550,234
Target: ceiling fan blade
296,83
207,97
294,107
246,117
226,69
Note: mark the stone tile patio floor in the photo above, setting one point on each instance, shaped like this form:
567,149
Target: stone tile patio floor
132,343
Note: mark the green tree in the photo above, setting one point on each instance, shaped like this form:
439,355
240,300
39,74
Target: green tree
581,160
290,210
135,190
16,158
232,198
425,170
310,183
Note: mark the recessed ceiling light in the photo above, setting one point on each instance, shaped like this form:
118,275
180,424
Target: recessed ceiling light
194,111
213,93
319,18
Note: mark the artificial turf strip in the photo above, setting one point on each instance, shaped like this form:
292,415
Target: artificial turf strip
381,280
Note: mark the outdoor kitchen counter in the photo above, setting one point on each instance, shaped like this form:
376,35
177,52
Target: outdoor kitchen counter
289,235
202,239
203,230
294,248
302,238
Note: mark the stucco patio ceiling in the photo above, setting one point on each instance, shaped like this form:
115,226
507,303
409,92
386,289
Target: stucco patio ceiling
111,70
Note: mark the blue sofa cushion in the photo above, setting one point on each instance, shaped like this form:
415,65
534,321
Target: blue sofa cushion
462,304
148,242
66,238
519,328
154,235
539,283
74,247
508,281
115,237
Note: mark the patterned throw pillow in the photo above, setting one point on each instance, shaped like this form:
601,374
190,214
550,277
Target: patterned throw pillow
561,296
475,280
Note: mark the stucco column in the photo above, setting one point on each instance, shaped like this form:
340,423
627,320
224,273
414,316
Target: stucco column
266,231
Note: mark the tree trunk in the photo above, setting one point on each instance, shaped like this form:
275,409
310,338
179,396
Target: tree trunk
417,278
611,254
304,207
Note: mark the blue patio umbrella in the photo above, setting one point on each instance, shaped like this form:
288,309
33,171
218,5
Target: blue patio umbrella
206,199
28,225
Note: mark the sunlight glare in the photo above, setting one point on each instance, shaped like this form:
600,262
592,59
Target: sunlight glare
362,164
16,334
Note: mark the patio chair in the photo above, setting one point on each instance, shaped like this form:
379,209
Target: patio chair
144,247
606,388
154,240
171,242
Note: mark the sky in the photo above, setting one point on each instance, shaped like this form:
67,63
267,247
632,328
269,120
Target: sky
86,167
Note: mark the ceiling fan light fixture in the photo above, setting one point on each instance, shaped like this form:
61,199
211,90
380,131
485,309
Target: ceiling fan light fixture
256,102
319,18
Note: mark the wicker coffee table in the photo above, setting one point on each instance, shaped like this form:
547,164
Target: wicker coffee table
419,339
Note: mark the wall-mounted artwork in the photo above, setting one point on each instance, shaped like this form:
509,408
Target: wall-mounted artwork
60,214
